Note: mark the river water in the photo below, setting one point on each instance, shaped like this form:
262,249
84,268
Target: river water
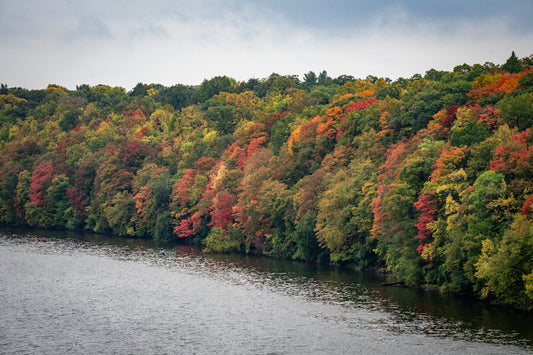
73,293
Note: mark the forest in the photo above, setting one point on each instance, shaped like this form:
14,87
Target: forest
428,178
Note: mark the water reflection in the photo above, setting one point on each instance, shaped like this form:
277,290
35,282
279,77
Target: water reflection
354,299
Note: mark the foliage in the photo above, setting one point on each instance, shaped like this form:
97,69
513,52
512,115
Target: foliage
505,267
429,178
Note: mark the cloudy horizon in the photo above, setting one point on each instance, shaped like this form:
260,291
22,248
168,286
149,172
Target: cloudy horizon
121,43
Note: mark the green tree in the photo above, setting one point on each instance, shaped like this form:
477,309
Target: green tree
344,215
22,195
504,267
222,118
119,212
304,237
56,201
140,90
512,65
178,96
323,93
483,218
310,80
8,184
214,86
517,111
218,241
70,119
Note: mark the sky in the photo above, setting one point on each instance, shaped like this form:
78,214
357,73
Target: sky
124,42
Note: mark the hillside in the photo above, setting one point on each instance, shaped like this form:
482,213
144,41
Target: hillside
430,178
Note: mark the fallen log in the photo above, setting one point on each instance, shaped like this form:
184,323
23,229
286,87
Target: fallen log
397,283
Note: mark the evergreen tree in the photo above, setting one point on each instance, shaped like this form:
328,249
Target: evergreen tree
512,65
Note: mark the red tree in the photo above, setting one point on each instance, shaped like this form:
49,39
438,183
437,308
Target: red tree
221,216
427,205
39,182
516,157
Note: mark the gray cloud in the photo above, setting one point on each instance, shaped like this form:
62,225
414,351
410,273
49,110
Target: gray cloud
87,28
123,42
358,14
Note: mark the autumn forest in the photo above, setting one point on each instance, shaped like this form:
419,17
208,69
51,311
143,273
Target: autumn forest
428,178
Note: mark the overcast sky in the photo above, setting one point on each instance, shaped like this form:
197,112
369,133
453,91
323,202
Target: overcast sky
123,42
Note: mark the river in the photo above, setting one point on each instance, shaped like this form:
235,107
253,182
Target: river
76,293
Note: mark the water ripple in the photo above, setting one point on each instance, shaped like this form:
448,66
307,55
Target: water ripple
201,303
